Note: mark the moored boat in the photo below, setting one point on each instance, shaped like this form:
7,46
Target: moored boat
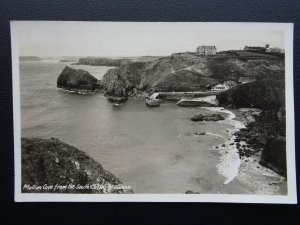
152,102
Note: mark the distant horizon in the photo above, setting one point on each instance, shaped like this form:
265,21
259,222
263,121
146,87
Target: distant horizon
136,39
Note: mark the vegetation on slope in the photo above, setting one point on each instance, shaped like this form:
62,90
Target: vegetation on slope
52,162
187,72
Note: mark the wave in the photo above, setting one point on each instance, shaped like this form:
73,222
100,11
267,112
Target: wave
230,159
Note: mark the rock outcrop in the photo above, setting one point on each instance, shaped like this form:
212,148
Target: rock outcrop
77,80
51,162
266,94
202,117
274,155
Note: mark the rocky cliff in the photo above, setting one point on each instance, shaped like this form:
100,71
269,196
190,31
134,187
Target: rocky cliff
187,72
267,133
73,79
52,162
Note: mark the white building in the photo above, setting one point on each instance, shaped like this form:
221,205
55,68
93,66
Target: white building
219,87
230,84
244,80
275,50
206,50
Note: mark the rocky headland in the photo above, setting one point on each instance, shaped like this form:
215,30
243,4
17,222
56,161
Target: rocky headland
115,62
65,168
78,81
187,72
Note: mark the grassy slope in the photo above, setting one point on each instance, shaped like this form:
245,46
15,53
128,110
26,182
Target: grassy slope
188,72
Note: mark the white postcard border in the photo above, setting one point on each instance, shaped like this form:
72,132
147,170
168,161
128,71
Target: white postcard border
290,198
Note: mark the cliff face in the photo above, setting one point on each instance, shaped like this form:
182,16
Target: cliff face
274,155
51,162
186,72
73,79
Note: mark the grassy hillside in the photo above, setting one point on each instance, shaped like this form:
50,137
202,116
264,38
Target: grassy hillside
188,72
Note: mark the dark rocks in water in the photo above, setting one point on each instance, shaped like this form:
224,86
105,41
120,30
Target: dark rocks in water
116,99
77,80
213,117
274,155
51,162
191,192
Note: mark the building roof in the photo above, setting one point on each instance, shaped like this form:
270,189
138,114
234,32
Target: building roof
241,79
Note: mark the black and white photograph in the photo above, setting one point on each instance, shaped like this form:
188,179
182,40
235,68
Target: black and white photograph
153,111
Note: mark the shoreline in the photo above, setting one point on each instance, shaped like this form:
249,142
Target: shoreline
236,168
241,170
78,91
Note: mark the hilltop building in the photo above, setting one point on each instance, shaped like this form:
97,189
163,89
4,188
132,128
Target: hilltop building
256,48
244,80
206,50
225,86
275,50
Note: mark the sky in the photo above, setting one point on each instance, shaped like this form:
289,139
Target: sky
46,38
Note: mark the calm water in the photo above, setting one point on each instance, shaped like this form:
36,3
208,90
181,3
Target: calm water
154,150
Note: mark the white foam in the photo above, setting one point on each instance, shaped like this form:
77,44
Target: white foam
230,161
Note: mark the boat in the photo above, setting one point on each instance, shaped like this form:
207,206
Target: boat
152,102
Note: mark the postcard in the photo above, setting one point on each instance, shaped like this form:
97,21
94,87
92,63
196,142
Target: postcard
153,112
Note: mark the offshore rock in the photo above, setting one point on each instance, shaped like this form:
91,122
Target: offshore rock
213,117
77,80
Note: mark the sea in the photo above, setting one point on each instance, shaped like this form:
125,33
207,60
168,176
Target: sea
154,150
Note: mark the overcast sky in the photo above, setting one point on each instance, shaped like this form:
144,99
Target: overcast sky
137,39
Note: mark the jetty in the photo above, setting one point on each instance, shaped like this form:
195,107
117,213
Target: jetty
187,94
207,101
191,98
